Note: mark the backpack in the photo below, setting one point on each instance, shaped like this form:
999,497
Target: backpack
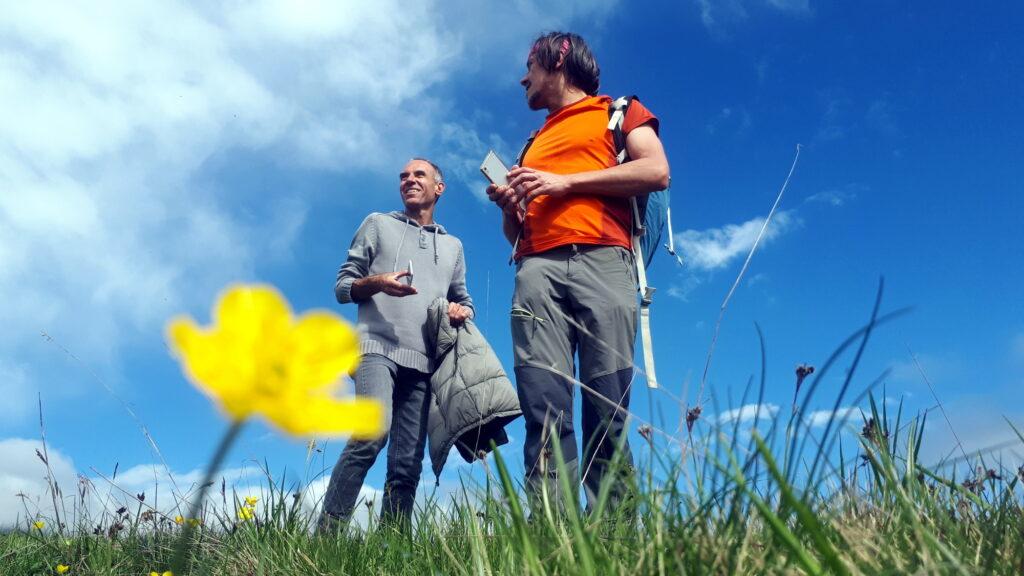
651,215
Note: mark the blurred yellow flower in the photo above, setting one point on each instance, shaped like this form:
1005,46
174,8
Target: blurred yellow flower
257,359
245,513
165,573
179,520
251,500
39,524
62,568
194,522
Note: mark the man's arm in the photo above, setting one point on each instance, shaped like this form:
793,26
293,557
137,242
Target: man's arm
460,304
354,284
647,171
511,215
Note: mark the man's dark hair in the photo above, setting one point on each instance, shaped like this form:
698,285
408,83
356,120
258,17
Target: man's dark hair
581,70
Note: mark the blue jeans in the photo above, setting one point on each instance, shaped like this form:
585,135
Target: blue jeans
405,395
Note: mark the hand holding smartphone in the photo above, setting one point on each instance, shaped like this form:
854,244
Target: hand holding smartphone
496,171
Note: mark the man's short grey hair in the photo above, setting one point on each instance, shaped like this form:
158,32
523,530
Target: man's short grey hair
438,174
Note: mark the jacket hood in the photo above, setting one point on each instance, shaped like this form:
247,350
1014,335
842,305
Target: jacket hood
402,216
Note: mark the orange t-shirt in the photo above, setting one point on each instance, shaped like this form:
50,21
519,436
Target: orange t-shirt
575,139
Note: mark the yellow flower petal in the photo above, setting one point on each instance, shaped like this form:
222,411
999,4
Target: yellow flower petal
39,524
322,348
363,418
257,359
62,568
179,520
245,513
251,500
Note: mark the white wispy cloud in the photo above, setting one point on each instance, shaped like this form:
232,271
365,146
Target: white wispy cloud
748,413
820,418
716,13
832,197
716,248
112,217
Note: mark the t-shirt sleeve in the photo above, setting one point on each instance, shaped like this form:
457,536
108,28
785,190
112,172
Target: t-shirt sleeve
637,115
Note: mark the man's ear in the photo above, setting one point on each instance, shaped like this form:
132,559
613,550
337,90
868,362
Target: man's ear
440,188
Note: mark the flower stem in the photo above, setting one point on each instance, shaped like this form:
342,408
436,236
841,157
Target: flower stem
179,562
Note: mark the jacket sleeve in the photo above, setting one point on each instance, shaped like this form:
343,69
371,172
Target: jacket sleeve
457,291
360,256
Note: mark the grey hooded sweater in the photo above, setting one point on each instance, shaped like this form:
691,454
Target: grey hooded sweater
392,326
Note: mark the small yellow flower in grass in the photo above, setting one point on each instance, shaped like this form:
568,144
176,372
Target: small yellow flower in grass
164,573
179,519
245,513
62,568
195,522
257,359
251,500
39,524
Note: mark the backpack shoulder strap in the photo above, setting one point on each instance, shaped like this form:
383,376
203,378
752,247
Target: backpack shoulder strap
616,116
519,162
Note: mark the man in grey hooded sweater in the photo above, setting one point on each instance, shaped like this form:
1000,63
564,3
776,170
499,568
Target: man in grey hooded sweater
397,265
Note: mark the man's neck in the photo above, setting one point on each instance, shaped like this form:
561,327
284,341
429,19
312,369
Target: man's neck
570,95
423,216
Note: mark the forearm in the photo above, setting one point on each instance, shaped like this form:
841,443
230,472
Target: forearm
622,181
511,226
365,288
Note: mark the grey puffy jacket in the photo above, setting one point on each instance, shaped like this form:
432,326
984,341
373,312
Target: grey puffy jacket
471,397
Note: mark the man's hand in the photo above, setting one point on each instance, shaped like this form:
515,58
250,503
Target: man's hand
389,283
505,197
529,183
457,314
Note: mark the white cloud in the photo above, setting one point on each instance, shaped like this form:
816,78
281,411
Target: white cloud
716,13
112,217
831,197
15,390
716,248
747,413
820,418
22,472
796,6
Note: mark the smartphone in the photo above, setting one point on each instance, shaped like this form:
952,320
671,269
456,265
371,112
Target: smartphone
494,169
409,270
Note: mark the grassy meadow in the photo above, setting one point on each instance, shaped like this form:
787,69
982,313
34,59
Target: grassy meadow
708,497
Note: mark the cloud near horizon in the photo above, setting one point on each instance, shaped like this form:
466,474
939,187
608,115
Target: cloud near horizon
717,248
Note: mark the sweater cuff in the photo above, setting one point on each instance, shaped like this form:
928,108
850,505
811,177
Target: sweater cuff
343,290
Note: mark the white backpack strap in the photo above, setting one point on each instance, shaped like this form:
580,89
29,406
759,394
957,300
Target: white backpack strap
646,294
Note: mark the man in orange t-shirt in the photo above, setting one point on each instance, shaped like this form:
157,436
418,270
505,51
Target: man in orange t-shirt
575,291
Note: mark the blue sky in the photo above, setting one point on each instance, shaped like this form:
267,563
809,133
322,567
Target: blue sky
151,155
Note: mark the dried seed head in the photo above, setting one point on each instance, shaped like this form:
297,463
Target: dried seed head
803,371
141,496
646,432
692,415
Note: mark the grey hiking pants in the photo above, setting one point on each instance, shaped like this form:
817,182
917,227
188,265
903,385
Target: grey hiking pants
575,300
405,395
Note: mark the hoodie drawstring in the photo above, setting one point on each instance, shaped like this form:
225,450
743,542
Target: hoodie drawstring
394,267
435,245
